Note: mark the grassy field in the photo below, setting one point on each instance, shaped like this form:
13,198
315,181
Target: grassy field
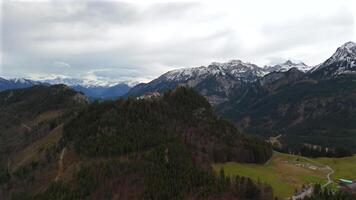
285,172
343,167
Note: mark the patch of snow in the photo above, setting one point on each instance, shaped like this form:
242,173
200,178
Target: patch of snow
234,68
344,56
286,66
345,52
86,82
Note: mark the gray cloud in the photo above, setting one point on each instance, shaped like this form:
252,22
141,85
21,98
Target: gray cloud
309,29
127,40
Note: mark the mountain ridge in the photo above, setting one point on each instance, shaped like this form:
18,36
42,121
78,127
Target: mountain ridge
158,148
285,99
237,70
343,61
91,89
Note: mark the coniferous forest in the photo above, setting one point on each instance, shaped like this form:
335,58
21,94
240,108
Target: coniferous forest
154,148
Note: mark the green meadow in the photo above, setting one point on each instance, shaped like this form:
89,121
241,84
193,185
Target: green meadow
286,173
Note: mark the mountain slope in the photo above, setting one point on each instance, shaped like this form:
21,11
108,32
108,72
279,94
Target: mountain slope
158,148
16,83
103,92
343,61
288,98
31,124
286,66
92,89
317,107
24,111
215,82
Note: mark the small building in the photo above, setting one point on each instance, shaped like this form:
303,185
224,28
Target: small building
345,181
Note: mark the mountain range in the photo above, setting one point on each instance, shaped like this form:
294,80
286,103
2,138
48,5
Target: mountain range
55,144
303,104
92,89
224,77
216,81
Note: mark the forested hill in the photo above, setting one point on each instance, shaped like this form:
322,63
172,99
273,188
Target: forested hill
320,112
155,148
128,126
28,114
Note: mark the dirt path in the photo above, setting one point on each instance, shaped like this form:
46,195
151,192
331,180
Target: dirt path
310,189
60,164
26,127
328,176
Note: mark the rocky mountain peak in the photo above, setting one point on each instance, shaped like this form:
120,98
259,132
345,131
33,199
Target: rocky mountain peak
343,61
349,45
288,62
345,52
286,66
234,68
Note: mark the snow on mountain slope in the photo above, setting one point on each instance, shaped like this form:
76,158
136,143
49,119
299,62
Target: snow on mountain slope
343,61
16,83
345,52
92,88
88,83
216,81
234,68
286,66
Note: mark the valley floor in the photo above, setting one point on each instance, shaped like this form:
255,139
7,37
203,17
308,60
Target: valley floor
287,173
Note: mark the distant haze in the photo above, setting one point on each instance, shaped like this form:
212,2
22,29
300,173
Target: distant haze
139,40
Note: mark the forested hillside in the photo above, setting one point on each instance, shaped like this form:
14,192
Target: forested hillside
306,107
30,114
125,126
156,148
320,112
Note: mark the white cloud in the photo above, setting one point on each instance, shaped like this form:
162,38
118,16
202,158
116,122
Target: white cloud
143,39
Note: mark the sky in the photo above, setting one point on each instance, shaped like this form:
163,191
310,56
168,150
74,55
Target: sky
140,40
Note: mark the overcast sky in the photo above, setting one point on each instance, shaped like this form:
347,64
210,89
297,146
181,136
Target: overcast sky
139,40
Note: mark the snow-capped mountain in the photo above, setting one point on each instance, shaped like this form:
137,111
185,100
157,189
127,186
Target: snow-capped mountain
83,82
228,73
343,61
16,83
346,52
215,81
286,66
91,88
233,68
94,87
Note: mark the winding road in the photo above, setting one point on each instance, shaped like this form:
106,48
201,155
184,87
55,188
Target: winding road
328,176
309,191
